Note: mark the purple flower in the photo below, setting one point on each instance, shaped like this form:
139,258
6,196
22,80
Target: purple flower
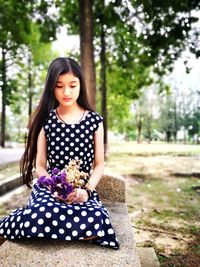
56,183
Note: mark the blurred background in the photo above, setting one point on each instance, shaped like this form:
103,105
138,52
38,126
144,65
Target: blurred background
140,60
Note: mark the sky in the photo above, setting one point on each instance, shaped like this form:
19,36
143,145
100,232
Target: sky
66,42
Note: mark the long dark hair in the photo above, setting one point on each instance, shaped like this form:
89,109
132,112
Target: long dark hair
48,102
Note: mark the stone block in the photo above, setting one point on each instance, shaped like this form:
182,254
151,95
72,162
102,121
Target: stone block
47,253
111,188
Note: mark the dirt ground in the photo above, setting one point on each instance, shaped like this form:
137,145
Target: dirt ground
164,209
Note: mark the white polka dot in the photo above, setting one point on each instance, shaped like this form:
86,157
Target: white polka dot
91,209
68,238
90,219
49,204
61,231
110,231
16,231
8,231
68,225
47,229
34,215
54,236
96,226
99,233
42,208
84,213
40,235
29,210
27,224
76,207
62,217
97,213
70,212
88,233
48,215
55,223
107,221
18,218
1,231
76,219
74,233
112,244
82,226
34,229
40,221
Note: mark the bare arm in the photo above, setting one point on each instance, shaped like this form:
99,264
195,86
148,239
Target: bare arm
98,158
41,157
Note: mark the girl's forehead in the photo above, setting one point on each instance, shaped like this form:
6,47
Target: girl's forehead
67,77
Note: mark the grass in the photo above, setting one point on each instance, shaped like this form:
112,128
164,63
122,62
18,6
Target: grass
163,206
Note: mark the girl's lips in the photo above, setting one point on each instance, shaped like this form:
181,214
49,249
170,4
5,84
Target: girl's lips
67,99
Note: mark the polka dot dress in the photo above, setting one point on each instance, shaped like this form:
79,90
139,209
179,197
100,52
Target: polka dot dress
44,215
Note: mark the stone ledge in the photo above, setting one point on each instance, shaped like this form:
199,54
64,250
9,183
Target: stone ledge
45,253
9,184
111,188
148,257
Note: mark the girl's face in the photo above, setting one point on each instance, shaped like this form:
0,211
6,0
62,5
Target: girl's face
67,89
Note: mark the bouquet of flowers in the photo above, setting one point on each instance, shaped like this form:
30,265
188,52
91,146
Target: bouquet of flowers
63,182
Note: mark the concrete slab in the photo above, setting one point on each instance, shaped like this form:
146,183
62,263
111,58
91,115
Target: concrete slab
148,257
43,252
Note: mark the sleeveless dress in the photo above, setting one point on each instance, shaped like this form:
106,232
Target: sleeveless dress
44,215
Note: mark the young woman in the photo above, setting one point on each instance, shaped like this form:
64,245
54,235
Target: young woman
63,128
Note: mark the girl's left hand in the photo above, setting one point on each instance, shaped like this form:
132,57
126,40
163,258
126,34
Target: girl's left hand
78,196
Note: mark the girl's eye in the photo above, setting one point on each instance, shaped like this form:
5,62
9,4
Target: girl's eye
58,86
73,86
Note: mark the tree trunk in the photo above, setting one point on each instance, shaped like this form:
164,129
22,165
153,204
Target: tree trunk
87,50
3,89
103,87
30,93
139,128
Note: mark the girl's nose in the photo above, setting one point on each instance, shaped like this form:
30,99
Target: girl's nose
66,91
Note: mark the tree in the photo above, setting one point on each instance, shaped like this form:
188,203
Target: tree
86,48
15,23
12,34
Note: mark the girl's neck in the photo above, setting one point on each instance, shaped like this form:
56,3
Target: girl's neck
70,109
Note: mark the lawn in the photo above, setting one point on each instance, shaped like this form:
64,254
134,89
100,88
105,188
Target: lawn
162,193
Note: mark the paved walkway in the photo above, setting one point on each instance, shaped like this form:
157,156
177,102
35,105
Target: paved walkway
8,155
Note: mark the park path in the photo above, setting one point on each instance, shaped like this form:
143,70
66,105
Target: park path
8,155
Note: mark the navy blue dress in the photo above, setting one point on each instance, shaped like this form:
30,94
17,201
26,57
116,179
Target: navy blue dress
44,215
